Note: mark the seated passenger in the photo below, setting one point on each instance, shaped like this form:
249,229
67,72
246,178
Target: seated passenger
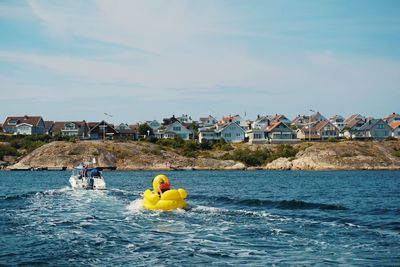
95,173
162,185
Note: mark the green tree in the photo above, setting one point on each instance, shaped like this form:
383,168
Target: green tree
145,129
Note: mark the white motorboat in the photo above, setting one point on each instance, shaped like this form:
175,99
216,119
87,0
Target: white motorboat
87,178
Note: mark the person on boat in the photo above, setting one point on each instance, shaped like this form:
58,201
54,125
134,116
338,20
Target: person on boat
95,172
84,170
162,184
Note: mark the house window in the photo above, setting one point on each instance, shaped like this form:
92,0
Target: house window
227,135
177,129
237,134
257,136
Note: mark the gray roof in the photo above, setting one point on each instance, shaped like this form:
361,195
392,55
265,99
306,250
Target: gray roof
369,124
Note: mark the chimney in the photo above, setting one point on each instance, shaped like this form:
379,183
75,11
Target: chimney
268,122
26,117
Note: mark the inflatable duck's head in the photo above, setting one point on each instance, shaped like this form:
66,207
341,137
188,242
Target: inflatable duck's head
159,179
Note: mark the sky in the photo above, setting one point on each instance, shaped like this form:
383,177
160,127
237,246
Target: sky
140,60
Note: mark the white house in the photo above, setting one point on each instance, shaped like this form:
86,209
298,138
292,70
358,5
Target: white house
207,133
395,129
23,128
176,129
208,121
230,132
27,125
338,121
256,136
236,119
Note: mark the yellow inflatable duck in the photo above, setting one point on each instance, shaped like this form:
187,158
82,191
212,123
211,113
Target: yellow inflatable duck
163,198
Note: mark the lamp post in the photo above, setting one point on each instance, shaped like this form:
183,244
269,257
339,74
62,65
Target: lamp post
105,126
309,125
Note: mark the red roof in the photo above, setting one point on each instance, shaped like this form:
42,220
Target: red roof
272,126
394,125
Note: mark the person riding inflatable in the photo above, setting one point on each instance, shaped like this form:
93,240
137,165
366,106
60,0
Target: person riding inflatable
161,184
163,197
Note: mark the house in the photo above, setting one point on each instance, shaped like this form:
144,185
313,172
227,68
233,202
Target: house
278,132
261,122
352,118
375,129
48,125
256,136
125,132
207,133
352,124
326,129
174,130
392,118
101,130
70,128
168,121
155,125
208,121
27,125
300,121
185,119
395,129
236,119
317,117
338,121
305,133
282,118
230,132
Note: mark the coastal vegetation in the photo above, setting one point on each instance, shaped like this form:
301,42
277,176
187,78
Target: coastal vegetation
152,153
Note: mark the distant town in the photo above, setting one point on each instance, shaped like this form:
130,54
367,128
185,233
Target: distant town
267,129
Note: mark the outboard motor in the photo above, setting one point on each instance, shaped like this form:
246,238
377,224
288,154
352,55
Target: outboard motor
90,183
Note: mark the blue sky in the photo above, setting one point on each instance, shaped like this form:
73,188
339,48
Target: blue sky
144,60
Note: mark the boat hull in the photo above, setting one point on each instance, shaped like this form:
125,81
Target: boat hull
87,183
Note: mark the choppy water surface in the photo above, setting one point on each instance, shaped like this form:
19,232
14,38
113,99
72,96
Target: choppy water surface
234,219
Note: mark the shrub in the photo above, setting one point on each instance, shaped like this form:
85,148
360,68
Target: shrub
250,158
178,142
222,145
397,152
284,151
6,150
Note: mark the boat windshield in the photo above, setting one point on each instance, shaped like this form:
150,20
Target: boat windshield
90,172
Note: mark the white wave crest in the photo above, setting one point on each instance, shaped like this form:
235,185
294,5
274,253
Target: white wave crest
208,209
136,206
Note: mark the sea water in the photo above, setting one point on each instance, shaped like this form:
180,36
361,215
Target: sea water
234,218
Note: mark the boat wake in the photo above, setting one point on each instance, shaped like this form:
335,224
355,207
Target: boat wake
278,204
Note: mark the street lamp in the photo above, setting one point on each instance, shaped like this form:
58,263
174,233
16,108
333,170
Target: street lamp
309,125
105,126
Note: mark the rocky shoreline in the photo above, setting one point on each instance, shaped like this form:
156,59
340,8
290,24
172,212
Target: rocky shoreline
131,156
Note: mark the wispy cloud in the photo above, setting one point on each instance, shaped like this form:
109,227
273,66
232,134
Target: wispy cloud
194,54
